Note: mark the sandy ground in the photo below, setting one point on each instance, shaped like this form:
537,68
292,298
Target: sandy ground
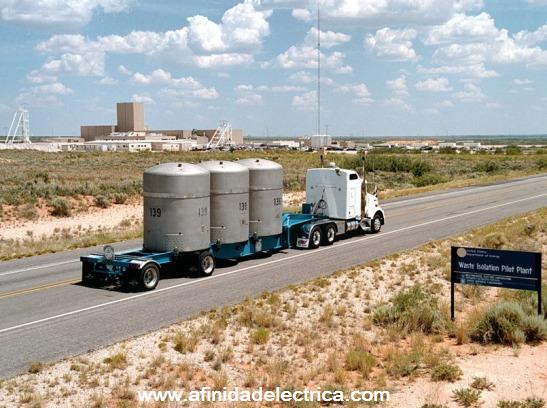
517,374
94,219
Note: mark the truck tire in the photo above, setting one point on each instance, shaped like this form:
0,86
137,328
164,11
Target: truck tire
149,277
206,263
88,277
329,235
376,224
316,237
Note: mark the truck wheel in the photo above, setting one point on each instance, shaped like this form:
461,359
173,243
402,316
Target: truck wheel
88,277
316,237
330,235
149,277
206,263
376,224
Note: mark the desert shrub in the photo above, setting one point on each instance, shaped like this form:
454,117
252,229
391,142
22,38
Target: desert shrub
467,397
102,201
118,360
119,198
60,208
489,166
482,383
420,168
185,342
513,150
508,323
260,335
413,311
530,402
541,163
446,372
428,179
362,361
35,367
28,212
494,240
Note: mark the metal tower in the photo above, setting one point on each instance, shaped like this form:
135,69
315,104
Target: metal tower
19,127
222,136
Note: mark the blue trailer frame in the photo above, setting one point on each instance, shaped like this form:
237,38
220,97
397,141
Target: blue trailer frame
126,265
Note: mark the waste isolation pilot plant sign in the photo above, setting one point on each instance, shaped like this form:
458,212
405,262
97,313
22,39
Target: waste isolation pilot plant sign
493,267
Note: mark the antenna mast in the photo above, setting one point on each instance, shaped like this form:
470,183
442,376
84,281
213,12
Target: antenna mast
318,69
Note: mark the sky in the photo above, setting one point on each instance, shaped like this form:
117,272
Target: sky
389,67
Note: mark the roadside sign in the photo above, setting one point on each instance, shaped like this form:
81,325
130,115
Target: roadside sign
497,268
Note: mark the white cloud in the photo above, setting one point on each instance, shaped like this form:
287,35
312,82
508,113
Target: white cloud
360,92
470,93
521,82
398,102
57,12
302,14
446,104
306,57
433,85
39,77
124,71
207,44
375,12
398,86
242,29
305,77
305,102
399,90
532,38
473,70
329,39
55,88
251,99
222,60
108,81
175,87
463,28
475,40
146,99
392,44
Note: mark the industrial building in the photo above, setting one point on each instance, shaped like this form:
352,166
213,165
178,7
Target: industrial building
130,125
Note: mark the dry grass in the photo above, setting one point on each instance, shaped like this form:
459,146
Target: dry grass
321,333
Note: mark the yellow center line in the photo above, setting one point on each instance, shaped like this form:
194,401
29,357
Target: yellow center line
38,288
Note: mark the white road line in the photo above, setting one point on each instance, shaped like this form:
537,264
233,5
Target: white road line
307,253
462,191
51,265
386,205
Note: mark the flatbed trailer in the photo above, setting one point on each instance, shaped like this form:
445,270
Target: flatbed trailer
143,268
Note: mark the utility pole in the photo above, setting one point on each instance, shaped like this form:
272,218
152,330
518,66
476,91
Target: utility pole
318,69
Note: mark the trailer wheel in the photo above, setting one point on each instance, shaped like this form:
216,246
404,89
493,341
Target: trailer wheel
316,237
376,224
149,277
206,263
88,277
330,235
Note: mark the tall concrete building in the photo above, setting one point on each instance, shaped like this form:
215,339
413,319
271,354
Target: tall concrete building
130,117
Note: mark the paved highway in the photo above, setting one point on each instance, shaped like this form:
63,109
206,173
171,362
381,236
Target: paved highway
46,315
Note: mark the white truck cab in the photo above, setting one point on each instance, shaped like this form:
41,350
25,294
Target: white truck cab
338,194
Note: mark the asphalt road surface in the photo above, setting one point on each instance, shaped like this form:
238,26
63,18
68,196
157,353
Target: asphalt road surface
45,314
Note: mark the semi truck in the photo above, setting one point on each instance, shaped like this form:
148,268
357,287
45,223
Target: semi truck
196,214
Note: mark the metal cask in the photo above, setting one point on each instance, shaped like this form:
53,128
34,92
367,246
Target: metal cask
229,201
265,196
176,207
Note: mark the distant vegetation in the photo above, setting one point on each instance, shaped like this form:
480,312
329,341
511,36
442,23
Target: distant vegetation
30,180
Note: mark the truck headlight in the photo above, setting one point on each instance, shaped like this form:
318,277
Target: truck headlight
108,252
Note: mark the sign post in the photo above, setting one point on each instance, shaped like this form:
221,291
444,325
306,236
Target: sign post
496,268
